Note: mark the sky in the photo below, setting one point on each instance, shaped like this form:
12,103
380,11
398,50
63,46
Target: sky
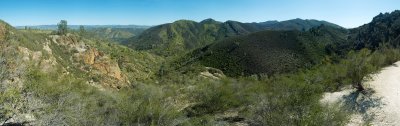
347,13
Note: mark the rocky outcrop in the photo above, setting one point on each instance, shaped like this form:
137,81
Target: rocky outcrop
102,63
29,55
70,41
91,60
109,68
90,56
36,57
212,73
67,40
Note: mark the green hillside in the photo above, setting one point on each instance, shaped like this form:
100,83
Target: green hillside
115,34
262,52
269,52
183,36
179,36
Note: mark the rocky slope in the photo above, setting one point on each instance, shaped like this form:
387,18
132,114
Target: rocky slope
29,60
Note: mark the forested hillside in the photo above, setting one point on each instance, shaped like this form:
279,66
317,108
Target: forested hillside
184,35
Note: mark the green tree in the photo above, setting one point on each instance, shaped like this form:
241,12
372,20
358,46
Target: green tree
62,27
359,68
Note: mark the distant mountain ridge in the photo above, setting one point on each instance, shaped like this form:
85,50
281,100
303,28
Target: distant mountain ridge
54,27
297,24
118,33
185,35
115,34
274,51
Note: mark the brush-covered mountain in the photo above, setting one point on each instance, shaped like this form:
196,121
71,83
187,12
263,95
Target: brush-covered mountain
184,35
114,34
269,52
296,24
384,29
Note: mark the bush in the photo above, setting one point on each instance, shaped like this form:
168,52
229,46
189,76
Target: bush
74,102
293,99
213,97
10,102
147,105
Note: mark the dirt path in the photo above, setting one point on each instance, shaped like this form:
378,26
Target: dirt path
382,107
386,85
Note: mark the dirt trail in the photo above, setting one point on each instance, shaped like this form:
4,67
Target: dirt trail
386,85
382,107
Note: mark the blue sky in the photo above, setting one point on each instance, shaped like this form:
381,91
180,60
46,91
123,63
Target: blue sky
347,13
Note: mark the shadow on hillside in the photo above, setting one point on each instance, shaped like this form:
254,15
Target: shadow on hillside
361,102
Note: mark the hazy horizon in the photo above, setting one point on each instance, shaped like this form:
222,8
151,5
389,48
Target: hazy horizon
347,14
